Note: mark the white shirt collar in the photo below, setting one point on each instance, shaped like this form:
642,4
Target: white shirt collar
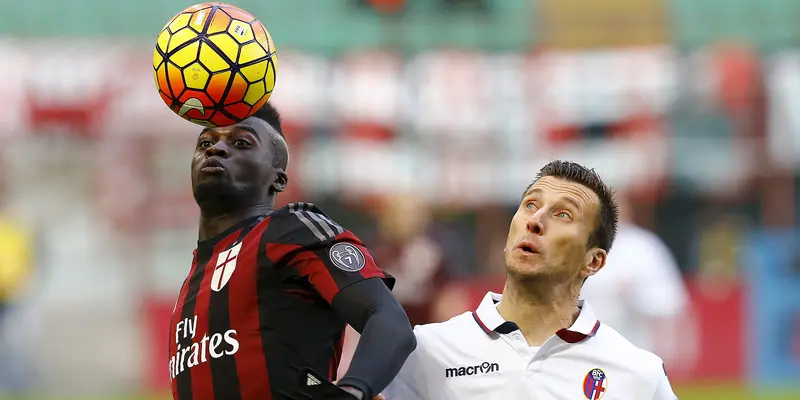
489,320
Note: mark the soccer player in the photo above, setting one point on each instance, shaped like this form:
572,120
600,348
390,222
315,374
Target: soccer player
538,340
263,310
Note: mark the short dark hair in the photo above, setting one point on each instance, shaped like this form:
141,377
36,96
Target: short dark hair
270,115
608,217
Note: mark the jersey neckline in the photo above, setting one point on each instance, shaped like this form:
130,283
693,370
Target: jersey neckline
239,225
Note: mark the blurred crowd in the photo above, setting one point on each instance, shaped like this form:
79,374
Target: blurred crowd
420,141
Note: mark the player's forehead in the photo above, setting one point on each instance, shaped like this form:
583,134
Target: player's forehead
555,188
255,126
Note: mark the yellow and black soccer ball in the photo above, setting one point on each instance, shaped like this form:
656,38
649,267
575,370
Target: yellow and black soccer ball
214,64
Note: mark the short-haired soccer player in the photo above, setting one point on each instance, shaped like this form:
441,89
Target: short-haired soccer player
263,310
538,340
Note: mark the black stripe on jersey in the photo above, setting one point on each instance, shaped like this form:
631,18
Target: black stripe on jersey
273,281
297,210
302,224
328,226
318,224
224,374
184,377
269,288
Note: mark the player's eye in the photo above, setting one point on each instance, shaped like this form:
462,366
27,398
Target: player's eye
204,144
530,205
241,143
563,215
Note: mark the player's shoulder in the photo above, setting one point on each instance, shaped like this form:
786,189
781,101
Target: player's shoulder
457,331
292,209
640,370
303,224
617,346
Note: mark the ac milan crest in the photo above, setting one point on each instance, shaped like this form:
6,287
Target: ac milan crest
226,264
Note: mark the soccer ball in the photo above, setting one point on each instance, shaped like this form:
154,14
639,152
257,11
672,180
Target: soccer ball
214,64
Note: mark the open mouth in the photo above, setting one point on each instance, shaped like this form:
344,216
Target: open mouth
527,248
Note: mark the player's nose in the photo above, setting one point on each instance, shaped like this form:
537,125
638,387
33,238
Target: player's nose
219,149
535,223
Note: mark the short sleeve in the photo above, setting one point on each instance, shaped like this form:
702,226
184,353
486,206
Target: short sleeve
313,246
663,387
337,265
399,389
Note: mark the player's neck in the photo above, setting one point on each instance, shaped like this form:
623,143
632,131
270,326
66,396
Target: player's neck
539,309
213,224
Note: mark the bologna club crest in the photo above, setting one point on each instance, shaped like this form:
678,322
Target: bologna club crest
595,384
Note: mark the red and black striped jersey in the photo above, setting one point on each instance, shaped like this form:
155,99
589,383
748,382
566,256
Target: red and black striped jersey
256,306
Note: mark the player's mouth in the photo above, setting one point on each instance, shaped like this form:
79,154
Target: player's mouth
527,248
212,165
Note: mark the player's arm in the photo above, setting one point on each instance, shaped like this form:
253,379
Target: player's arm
344,273
663,387
415,378
386,336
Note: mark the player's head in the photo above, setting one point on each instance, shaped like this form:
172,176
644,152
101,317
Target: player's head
241,165
564,226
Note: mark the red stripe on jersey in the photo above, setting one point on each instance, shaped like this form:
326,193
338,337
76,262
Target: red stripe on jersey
307,263
202,381
370,269
318,271
182,299
176,316
244,316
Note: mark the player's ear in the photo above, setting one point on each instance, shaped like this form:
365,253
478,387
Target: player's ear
594,262
281,180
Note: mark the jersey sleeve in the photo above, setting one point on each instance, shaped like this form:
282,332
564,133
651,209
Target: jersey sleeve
400,389
663,387
318,249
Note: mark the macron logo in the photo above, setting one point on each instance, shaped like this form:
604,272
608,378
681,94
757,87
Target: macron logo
484,369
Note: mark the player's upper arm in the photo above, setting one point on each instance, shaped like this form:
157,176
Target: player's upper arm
663,388
320,250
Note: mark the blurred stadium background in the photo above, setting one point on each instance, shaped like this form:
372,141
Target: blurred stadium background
438,111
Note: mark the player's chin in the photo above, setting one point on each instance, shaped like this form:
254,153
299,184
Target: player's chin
212,187
216,178
525,266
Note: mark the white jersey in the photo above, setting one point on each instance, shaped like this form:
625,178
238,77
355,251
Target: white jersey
639,282
478,355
